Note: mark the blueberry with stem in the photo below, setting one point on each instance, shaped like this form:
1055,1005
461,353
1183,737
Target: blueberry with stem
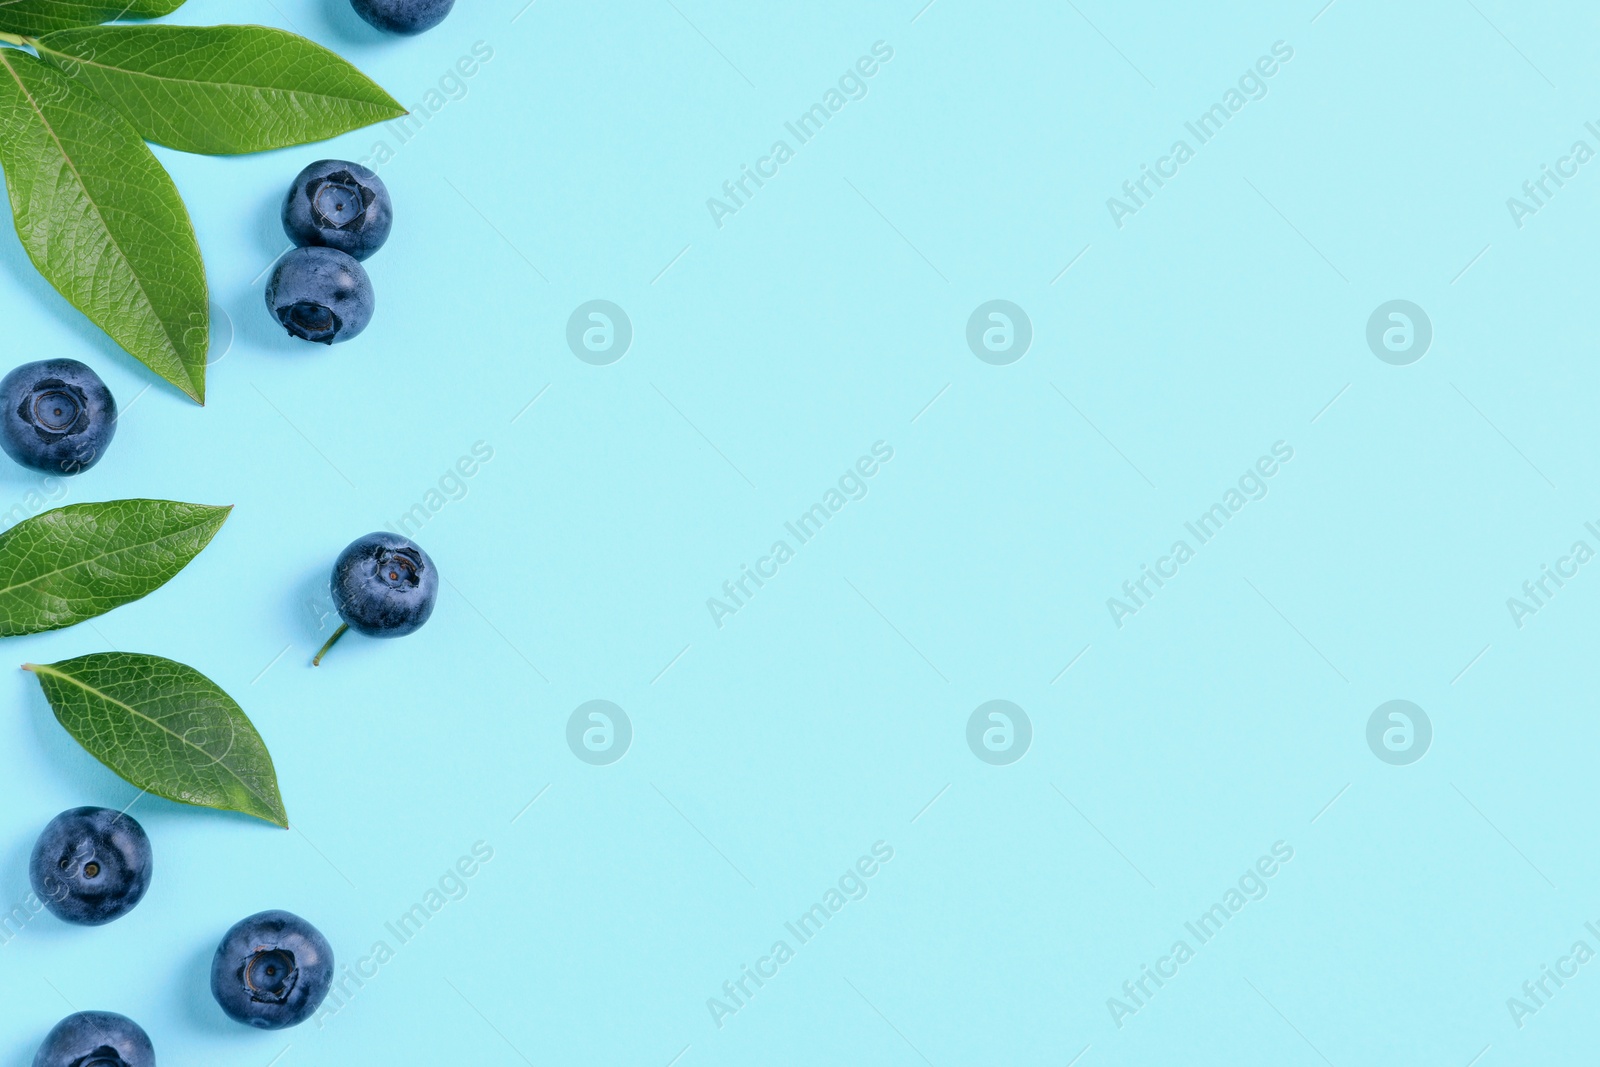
383,585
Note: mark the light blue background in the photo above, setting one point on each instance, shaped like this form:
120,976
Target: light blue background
826,715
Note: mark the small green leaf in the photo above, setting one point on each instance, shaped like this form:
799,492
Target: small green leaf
102,220
165,728
42,16
82,560
221,90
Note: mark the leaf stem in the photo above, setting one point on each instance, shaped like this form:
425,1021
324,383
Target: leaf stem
324,650
19,41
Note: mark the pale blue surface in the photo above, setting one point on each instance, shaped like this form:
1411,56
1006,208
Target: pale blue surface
825,715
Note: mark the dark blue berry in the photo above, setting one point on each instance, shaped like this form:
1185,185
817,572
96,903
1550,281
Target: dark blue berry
320,294
272,970
56,416
96,1039
403,16
338,205
91,865
383,585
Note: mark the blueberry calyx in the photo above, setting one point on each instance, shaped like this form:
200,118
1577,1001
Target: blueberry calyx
339,201
270,975
310,321
55,409
104,1056
398,568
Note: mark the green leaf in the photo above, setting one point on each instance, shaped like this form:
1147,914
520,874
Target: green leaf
142,9
221,90
102,220
165,728
42,16
82,560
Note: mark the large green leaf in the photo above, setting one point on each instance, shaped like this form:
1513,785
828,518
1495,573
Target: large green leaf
82,560
221,90
42,16
166,728
102,220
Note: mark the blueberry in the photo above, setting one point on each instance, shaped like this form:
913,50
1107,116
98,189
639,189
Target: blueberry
272,970
338,205
56,416
403,16
91,865
320,294
383,585
96,1039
